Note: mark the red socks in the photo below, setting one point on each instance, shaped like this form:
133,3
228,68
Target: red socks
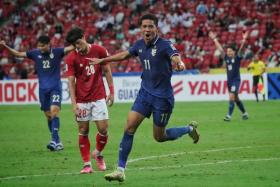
84,147
101,141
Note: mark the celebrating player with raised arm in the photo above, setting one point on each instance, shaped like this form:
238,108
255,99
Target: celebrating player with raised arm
88,95
47,64
155,96
232,58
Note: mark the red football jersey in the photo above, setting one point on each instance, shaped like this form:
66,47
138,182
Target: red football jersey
89,81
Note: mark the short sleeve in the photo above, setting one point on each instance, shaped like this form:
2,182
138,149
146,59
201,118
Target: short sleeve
103,53
133,50
69,65
60,51
171,49
31,54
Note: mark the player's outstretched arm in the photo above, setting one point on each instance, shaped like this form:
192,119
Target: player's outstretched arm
179,65
13,51
244,38
214,37
68,49
117,57
109,78
72,90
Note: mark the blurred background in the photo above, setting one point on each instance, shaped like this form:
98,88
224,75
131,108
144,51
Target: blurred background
114,24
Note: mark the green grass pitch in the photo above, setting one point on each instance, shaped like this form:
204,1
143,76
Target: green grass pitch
232,154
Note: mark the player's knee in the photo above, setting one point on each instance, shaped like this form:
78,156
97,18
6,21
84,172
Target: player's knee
103,131
130,130
49,117
83,131
54,111
159,138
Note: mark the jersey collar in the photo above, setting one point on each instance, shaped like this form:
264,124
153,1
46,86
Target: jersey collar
153,42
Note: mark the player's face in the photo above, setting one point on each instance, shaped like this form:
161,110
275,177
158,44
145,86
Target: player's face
148,30
81,46
44,48
230,52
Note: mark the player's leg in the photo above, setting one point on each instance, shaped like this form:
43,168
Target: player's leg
100,116
101,141
232,90
140,110
263,92
48,117
84,146
55,104
83,119
133,121
255,86
44,98
162,111
51,145
241,107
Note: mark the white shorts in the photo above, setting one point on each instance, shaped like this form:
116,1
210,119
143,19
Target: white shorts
93,111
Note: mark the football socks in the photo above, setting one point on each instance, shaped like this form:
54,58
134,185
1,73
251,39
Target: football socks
84,146
176,132
101,141
125,148
55,129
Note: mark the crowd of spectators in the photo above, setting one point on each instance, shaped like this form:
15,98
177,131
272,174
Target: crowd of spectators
114,24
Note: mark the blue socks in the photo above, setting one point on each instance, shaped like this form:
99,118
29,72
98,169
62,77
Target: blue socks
240,106
50,125
176,132
55,129
127,141
231,108
125,148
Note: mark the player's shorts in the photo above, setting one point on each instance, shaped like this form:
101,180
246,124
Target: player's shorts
50,97
147,104
233,87
93,111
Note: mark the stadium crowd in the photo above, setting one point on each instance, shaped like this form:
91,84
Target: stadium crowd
113,24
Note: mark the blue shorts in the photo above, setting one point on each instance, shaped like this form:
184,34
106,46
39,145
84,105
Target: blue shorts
50,97
233,87
147,104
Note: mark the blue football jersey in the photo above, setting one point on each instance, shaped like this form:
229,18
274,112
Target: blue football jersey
233,68
47,66
156,63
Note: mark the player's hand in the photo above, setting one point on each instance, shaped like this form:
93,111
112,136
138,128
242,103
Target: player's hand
245,35
110,100
75,109
2,43
180,66
212,35
94,60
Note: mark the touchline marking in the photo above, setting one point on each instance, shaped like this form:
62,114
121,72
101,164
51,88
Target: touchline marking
162,156
207,163
42,175
194,152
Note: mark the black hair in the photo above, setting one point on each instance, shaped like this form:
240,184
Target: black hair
74,34
44,39
232,46
149,17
